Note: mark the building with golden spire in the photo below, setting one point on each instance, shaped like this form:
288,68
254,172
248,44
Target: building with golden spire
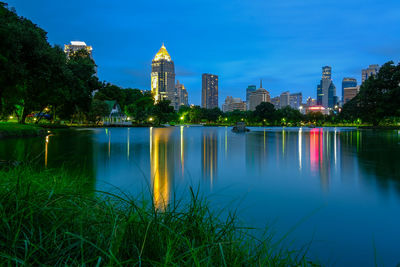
163,77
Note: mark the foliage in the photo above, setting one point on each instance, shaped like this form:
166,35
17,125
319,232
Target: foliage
379,97
98,109
52,219
9,129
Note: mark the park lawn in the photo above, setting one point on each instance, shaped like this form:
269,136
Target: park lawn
11,129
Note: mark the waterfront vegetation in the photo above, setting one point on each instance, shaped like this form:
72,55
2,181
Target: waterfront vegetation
16,129
38,83
51,217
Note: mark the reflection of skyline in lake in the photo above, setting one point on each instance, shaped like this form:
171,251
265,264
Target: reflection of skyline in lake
283,172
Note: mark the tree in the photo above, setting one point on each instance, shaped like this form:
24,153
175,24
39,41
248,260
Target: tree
163,112
265,111
98,109
141,109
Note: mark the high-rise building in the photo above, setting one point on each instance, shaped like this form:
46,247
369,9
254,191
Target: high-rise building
163,77
370,71
350,93
209,91
284,99
75,46
295,100
258,96
232,104
346,83
181,94
311,102
249,90
326,90
276,101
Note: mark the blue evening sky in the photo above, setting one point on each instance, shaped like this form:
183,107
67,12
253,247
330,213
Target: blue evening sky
284,42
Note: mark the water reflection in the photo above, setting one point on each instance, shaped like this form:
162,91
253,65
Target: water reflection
209,154
161,165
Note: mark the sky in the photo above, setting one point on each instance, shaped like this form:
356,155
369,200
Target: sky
284,43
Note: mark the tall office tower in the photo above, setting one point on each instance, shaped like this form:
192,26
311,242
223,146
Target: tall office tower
326,90
346,83
295,100
284,99
249,90
370,71
75,46
163,77
182,95
232,104
209,91
349,93
258,96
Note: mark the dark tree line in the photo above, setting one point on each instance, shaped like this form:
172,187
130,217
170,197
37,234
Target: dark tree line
35,75
378,99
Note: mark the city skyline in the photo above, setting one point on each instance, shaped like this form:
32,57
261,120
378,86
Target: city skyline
286,58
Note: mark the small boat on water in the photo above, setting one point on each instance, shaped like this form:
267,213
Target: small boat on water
240,127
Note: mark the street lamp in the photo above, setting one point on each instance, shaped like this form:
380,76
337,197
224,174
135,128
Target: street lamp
182,118
151,119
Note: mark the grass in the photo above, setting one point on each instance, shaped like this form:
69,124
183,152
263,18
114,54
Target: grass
11,129
52,219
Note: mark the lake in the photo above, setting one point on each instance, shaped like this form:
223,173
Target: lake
334,189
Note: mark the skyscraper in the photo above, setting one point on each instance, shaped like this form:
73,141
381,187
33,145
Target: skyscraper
368,72
75,46
182,94
285,99
295,100
249,90
346,83
163,77
326,90
209,91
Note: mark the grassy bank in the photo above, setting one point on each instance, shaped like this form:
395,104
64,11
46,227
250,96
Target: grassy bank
49,218
9,129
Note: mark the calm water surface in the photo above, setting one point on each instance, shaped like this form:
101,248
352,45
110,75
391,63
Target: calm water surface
339,187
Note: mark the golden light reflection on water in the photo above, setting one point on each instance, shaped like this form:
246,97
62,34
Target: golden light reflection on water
160,171
209,153
46,147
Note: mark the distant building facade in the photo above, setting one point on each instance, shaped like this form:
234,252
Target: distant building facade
276,101
284,99
349,93
75,46
181,94
326,90
249,90
209,91
295,100
258,96
311,102
163,77
370,71
346,83
232,104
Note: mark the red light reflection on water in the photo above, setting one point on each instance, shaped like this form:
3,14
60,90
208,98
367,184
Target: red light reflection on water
316,147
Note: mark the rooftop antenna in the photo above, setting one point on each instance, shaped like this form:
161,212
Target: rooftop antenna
261,83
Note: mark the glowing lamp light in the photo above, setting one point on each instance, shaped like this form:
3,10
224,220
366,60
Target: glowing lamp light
151,119
264,120
11,117
242,119
226,119
128,118
182,118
